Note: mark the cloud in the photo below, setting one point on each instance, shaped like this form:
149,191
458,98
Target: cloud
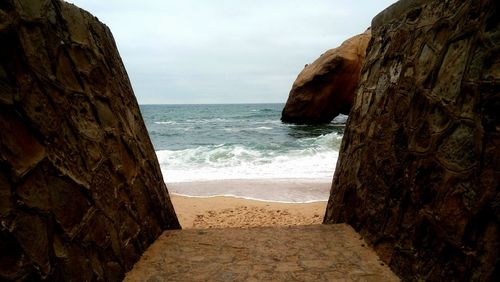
225,51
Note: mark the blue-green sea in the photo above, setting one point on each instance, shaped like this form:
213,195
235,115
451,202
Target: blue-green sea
239,141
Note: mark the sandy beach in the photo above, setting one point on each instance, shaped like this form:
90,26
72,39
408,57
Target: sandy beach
219,211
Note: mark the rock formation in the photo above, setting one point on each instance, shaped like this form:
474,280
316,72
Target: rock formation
326,87
419,168
81,192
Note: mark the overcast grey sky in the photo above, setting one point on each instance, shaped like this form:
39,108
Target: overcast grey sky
225,51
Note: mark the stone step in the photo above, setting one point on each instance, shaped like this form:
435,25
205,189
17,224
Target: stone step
298,253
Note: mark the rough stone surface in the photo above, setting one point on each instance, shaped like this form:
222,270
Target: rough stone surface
419,167
300,253
81,192
326,87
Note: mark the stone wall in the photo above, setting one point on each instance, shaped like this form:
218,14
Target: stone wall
419,168
81,192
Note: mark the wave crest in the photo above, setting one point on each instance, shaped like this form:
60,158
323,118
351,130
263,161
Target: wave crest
215,162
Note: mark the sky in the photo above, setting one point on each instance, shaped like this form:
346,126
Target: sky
225,51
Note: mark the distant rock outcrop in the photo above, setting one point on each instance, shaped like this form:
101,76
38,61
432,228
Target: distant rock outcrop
81,192
326,87
419,167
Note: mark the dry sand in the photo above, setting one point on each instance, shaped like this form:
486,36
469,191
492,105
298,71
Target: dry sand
217,212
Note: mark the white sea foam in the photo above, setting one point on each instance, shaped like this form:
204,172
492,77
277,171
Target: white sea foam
165,122
239,162
209,120
340,119
252,144
233,129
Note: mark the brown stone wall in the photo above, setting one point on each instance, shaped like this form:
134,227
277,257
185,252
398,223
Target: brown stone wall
81,192
419,168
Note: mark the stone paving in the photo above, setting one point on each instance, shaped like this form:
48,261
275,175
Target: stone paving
300,253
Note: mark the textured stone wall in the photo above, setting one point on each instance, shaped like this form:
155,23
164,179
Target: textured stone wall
326,88
419,168
81,192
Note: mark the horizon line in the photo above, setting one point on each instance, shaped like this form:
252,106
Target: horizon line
187,104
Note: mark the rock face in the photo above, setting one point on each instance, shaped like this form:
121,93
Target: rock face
419,169
326,87
81,192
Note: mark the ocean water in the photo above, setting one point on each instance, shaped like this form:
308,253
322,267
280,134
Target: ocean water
239,142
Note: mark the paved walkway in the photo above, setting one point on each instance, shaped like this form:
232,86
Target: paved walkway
299,253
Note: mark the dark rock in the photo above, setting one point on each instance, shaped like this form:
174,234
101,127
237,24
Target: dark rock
326,87
419,167
81,192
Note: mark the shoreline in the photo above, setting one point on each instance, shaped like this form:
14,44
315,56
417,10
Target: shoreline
274,190
244,198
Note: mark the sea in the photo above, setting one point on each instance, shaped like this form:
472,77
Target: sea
242,144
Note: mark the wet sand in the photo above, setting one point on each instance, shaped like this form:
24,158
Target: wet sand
282,190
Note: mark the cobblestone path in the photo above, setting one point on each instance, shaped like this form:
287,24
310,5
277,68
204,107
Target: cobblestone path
300,253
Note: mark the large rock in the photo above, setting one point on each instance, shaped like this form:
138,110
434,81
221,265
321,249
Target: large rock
326,87
81,192
419,168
